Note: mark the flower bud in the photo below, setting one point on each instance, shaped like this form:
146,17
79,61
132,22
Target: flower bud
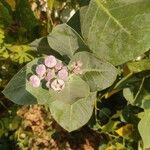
41,70
35,81
63,74
50,74
50,61
58,66
77,64
77,67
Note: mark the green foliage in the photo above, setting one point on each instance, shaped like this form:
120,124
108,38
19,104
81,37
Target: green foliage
75,90
73,116
139,93
17,53
5,17
69,41
114,31
144,128
98,74
1,36
25,15
143,65
21,90
111,101
10,122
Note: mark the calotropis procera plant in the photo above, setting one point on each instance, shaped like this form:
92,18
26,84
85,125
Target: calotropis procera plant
78,65
68,89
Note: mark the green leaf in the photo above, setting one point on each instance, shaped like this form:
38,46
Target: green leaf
117,31
65,40
129,114
144,128
132,78
41,45
139,66
25,15
21,53
139,93
5,17
20,91
97,73
75,89
73,116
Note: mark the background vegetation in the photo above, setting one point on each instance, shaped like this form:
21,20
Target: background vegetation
118,111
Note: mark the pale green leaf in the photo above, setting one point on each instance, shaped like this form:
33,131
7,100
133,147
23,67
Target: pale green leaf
20,91
65,40
97,73
144,128
73,116
117,31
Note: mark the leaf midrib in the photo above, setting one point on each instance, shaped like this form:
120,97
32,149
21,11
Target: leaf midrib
112,17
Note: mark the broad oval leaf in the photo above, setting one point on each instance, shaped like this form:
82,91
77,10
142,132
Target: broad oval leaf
97,73
117,31
20,91
65,40
73,116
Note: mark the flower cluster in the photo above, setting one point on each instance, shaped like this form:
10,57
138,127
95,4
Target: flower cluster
54,72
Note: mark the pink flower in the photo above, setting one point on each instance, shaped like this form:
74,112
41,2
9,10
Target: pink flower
41,70
50,61
58,85
63,74
50,74
58,66
35,81
77,64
